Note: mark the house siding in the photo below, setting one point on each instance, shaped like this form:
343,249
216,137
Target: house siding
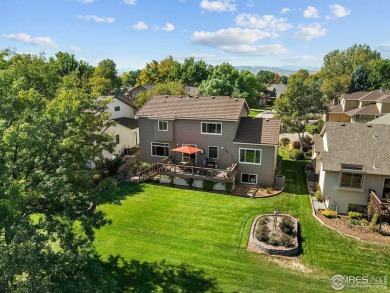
339,117
128,138
125,110
385,108
343,197
165,136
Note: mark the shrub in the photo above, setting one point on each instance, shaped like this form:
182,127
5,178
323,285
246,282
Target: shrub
329,213
208,185
297,145
269,189
229,187
284,141
287,225
308,140
189,181
112,166
273,240
374,219
364,222
354,215
144,166
318,195
171,179
262,221
262,233
355,222
96,177
287,240
296,155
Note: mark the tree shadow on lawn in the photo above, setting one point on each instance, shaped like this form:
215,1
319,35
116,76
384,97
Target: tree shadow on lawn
294,172
123,190
135,276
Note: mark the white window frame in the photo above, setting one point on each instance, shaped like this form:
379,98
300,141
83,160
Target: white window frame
209,133
249,174
164,122
350,187
247,149
117,108
208,151
161,145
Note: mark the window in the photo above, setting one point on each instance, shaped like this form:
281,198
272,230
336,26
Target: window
249,178
132,95
162,125
250,156
127,151
357,208
211,128
117,139
386,189
213,152
350,180
117,108
160,149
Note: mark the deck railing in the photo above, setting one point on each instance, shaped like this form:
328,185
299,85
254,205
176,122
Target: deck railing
379,206
186,171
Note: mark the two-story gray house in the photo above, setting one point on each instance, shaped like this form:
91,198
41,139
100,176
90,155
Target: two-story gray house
219,125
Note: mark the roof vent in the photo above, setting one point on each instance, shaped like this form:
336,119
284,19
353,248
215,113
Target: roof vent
236,99
166,96
375,167
213,97
266,119
369,125
343,124
197,97
181,97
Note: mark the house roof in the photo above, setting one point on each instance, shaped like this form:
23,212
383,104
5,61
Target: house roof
354,96
357,144
122,99
258,131
375,96
318,143
130,123
336,109
385,119
189,107
141,87
371,109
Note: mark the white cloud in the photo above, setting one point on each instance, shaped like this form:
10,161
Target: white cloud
311,12
266,22
86,1
218,5
140,25
250,3
339,11
385,48
284,10
168,27
96,18
130,2
256,50
310,32
27,39
229,37
238,41
75,49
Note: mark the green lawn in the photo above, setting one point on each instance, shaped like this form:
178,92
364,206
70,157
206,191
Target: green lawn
254,113
209,231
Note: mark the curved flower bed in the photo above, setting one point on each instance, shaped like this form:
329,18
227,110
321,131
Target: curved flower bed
274,235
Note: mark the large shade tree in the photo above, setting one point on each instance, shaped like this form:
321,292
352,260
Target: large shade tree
48,132
302,98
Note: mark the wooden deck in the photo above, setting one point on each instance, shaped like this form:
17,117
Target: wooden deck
380,206
185,171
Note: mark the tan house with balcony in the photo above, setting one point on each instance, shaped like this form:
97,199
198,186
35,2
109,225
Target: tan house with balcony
353,164
360,106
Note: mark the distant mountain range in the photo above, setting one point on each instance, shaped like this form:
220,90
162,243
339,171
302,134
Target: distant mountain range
282,70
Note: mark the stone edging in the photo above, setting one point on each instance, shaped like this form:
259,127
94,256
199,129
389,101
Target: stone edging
270,195
255,245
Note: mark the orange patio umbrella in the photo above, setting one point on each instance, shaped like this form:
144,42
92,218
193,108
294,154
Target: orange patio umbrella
187,149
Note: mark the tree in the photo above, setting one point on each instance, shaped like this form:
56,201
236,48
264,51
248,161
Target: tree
284,79
47,214
130,79
107,74
339,65
266,76
248,86
277,78
194,72
379,77
166,88
302,97
158,72
359,80
221,82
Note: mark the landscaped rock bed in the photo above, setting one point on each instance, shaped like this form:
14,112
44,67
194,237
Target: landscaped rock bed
274,234
343,224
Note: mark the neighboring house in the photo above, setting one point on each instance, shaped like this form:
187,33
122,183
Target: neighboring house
360,106
273,92
353,159
385,119
191,90
125,132
219,126
134,91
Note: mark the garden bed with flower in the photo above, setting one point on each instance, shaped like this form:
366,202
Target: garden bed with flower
274,234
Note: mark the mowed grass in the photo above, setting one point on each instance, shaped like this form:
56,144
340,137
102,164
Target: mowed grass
210,231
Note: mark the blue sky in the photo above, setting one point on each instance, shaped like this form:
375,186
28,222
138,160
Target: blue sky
241,32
